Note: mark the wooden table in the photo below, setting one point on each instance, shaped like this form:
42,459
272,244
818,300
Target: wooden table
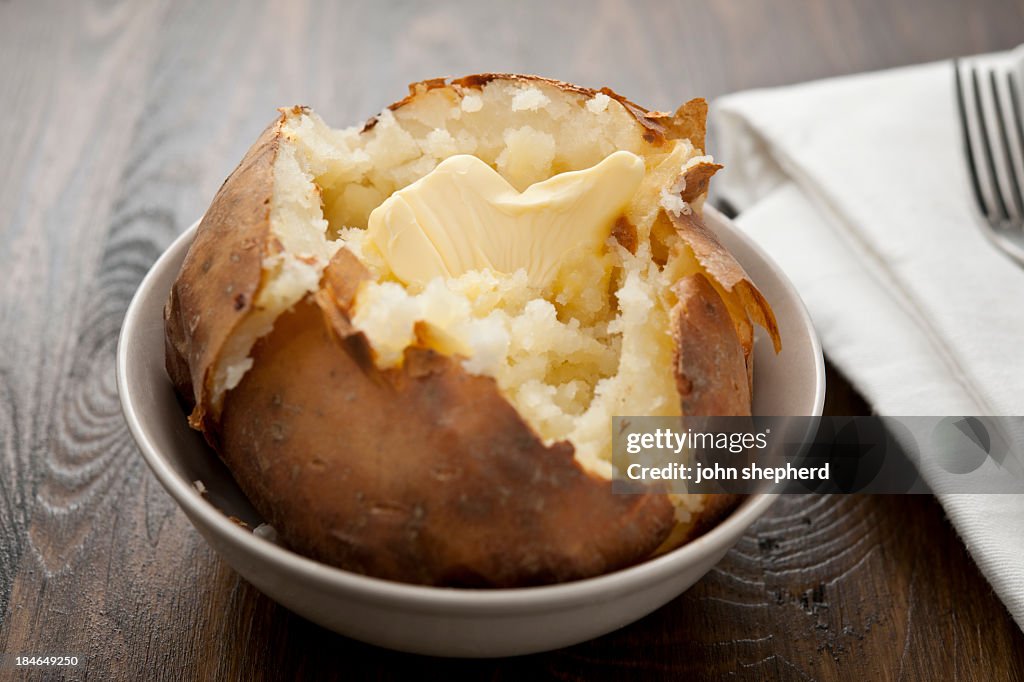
122,119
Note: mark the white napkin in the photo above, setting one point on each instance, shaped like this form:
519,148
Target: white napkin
858,188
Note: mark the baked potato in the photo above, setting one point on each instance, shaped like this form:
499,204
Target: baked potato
435,407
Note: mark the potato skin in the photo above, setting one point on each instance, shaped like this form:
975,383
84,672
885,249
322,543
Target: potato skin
422,474
710,367
721,266
219,278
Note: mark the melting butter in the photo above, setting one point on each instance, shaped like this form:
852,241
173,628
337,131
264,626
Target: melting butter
464,216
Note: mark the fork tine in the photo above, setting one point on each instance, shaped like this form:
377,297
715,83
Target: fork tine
968,143
986,145
1018,119
1011,165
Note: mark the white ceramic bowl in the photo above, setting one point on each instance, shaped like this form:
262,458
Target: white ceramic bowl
430,620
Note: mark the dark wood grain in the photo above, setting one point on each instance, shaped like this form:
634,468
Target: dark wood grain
122,119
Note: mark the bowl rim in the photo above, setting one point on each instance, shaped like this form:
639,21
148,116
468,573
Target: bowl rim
464,601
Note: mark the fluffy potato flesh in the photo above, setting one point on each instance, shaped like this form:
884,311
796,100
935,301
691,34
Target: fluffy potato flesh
601,336
569,357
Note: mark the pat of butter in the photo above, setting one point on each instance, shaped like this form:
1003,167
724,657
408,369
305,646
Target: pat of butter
464,216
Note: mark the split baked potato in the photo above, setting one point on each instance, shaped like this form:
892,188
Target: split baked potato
456,429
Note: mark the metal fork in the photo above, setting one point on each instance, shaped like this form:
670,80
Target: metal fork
990,109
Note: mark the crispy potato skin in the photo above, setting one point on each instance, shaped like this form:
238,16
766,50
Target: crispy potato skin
426,473
710,367
422,474
698,179
219,278
746,304
723,267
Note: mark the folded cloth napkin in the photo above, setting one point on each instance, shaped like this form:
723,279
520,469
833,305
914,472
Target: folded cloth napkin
858,188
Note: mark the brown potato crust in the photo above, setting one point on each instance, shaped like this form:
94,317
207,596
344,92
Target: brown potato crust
423,474
711,371
724,268
219,278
